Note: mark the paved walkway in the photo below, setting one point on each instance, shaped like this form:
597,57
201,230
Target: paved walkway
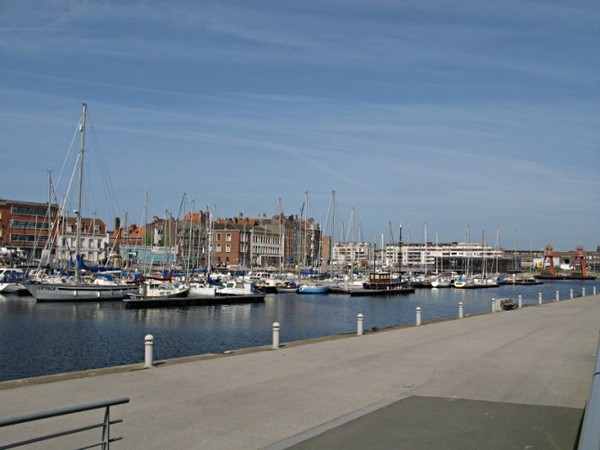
512,379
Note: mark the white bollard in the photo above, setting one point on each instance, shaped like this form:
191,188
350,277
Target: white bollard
594,290
276,328
148,351
520,297
346,283
359,324
461,310
571,294
540,298
418,311
557,296
583,292
493,305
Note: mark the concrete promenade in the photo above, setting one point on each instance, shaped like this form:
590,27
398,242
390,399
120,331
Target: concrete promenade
510,379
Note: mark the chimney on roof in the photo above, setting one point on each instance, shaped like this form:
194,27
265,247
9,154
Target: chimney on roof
117,223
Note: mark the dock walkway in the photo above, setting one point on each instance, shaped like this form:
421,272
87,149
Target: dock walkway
510,379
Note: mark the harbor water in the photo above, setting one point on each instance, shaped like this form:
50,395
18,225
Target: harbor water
49,338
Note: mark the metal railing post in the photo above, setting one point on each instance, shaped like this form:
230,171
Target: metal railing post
104,425
106,430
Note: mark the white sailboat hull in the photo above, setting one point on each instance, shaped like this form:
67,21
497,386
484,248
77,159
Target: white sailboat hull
78,292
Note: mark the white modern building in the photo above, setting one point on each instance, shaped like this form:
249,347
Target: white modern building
423,257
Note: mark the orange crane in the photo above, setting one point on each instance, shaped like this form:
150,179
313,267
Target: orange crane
549,256
579,262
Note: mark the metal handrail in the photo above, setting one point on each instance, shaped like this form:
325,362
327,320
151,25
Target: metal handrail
589,437
105,424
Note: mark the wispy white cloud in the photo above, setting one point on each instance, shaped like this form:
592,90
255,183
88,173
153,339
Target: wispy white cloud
411,110
235,33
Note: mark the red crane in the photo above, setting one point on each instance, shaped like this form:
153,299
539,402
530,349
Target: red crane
579,262
549,256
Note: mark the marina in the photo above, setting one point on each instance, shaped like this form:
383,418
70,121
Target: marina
56,337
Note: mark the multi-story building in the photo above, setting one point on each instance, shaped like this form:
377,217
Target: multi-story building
93,244
192,239
351,255
25,227
230,245
155,244
456,256
422,257
274,242
245,243
266,249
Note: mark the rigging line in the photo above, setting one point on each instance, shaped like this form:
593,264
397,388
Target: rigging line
110,195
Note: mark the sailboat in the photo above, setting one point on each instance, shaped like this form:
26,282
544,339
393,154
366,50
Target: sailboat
76,288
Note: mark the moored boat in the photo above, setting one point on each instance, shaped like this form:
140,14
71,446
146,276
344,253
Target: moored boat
156,289
233,287
11,280
287,287
520,281
78,291
312,289
76,288
202,288
441,282
383,280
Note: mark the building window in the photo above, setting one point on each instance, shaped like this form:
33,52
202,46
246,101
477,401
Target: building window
228,237
218,247
228,248
218,236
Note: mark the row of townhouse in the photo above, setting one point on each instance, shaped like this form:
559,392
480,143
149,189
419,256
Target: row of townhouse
35,231
235,243
248,242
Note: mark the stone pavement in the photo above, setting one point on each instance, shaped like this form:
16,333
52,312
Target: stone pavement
511,379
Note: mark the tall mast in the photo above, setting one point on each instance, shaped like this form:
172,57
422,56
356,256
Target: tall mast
209,241
332,240
191,233
281,235
49,223
79,194
146,239
304,249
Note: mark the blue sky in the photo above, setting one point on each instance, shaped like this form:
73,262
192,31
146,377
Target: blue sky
451,115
